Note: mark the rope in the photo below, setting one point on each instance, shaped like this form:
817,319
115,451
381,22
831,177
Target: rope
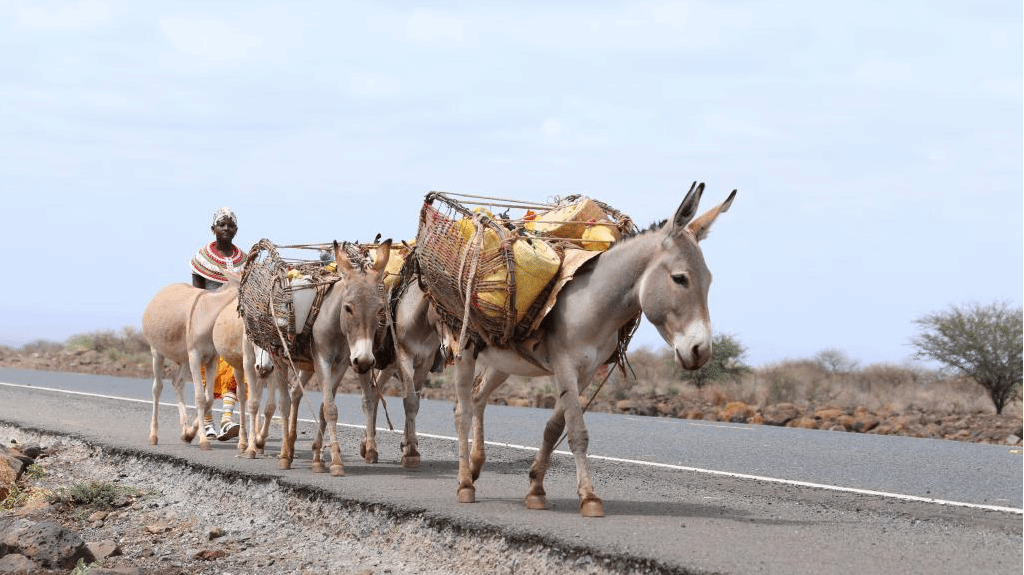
380,398
477,241
585,407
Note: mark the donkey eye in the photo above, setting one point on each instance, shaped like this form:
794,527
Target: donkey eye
348,309
681,279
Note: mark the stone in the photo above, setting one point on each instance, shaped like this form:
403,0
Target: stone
157,528
47,543
102,549
17,563
735,412
780,414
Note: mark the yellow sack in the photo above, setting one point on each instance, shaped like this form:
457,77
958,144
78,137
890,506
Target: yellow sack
599,237
567,222
396,259
466,228
536,263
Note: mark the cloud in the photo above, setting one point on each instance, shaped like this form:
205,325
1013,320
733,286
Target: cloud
210,41
61,16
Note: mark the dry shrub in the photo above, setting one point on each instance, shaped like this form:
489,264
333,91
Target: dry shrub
42,346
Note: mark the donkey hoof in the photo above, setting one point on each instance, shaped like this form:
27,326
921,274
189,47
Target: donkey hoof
467,495
153,440
250,454
338,470
536,502
592,508
410,461
284,464
370,456
204,445
318,467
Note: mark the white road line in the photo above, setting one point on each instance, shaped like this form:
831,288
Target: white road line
837,488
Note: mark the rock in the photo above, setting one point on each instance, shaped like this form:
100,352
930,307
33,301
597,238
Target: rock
17,563
863,423
804,422
210,554
97,516
102,549
735,412
46,542
158,528
829,414
780,414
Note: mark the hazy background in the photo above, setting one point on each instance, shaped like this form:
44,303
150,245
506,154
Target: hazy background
876,146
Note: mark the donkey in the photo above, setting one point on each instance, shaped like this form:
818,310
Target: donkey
659,273
251,366
416,347
343,334
178,323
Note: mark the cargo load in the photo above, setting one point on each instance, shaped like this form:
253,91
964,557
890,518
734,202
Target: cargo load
492,275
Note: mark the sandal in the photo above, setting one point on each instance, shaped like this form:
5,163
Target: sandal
228,431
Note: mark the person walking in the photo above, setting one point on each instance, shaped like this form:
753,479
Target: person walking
208,266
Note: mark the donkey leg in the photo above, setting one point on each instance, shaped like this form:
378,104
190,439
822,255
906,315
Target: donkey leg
178,383
255,385
242,389
579,440
464,366
371,396
411,405
289,430
329,417
318,442
536,498
158,388
201,390
490,379
412,377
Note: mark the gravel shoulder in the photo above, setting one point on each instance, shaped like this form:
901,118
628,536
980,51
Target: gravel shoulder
187,520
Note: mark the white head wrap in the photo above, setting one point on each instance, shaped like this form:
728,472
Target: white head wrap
222,213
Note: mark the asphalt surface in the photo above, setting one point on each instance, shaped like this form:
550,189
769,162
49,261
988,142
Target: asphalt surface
681,496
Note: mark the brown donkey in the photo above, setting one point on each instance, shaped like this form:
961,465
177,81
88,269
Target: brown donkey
178,325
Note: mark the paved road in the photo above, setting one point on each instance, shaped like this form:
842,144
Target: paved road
688,496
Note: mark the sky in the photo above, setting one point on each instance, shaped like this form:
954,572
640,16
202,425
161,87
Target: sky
876,146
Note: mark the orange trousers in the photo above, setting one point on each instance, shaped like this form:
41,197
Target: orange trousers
225,379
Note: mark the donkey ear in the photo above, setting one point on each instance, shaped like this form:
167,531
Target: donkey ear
341,261
687,208
700,226
380,260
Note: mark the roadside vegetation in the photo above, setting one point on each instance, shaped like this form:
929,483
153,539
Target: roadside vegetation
978,349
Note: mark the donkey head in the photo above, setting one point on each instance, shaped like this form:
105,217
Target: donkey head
674,286
362,304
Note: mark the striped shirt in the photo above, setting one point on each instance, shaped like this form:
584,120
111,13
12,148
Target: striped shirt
209,264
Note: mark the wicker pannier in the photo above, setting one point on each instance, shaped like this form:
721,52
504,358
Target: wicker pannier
266,300
482,269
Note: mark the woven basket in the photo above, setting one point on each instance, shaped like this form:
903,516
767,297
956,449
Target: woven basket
265,301
482,269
